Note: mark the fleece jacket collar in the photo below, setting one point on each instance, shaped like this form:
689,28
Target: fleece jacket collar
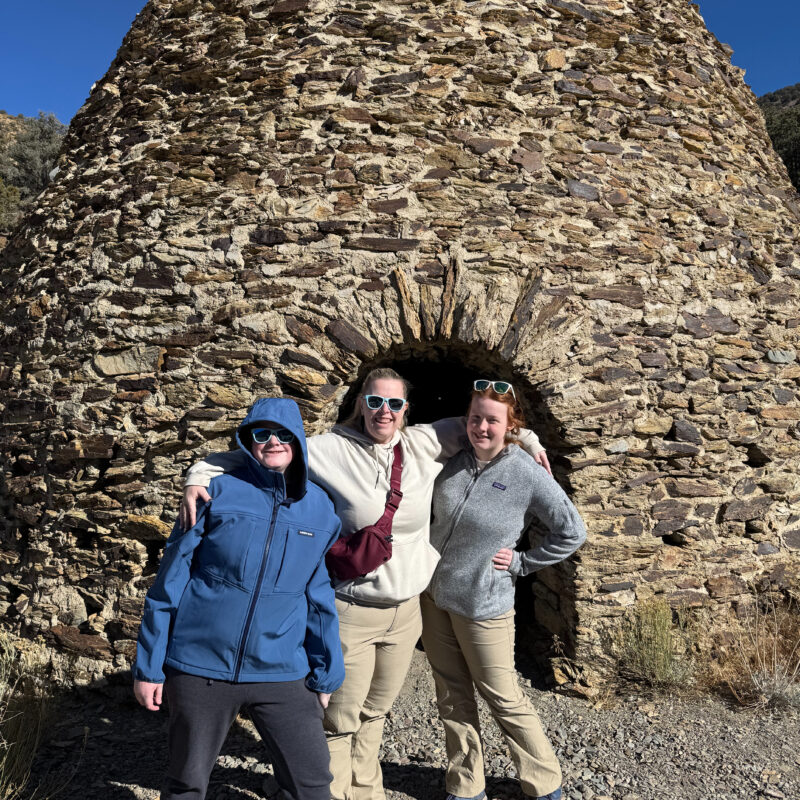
502,454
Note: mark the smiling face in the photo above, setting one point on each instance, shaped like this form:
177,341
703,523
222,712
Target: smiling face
487,425
382,424
273,454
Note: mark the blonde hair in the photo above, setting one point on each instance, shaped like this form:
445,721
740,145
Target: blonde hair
381,373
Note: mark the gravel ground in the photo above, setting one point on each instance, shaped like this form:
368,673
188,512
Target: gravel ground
639,749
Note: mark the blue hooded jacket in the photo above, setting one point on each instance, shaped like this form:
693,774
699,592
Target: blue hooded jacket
244,595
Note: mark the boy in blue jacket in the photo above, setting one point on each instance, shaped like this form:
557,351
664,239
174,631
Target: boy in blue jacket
242,616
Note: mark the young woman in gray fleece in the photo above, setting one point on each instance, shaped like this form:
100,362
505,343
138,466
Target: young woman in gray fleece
483,501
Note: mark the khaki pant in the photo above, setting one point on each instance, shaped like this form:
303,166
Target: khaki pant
377,644
465,655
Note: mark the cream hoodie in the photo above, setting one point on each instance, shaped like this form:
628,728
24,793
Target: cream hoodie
355,471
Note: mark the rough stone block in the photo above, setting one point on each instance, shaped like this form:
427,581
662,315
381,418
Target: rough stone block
137,359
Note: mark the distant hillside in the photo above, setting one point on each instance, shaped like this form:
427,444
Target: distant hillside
783,98
28,149
10,128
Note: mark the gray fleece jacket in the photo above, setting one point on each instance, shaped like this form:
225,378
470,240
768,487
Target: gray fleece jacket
476,514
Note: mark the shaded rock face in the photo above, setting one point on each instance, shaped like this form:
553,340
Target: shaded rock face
273,197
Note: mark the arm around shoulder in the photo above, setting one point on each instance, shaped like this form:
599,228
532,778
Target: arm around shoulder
529,442
446,436
199,478
213,465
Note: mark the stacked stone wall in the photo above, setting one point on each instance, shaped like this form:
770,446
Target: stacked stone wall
267,197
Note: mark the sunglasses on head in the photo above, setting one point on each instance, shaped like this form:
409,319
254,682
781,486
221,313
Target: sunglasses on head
263,435
501,387
375,402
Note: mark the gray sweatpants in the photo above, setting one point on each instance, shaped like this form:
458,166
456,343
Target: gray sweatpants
287,716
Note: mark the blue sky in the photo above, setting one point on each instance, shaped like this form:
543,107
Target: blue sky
52,51
763,35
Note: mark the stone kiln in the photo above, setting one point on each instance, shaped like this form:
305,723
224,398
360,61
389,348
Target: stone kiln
277,196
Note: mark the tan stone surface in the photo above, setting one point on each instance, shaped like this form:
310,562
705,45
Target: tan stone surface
270,197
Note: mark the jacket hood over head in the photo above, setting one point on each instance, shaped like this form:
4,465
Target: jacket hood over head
282,413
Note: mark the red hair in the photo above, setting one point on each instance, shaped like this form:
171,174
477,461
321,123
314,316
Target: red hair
515,416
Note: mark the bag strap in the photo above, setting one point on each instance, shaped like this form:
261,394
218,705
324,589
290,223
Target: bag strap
395,495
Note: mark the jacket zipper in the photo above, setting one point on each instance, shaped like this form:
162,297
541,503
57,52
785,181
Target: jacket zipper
256,592
460,507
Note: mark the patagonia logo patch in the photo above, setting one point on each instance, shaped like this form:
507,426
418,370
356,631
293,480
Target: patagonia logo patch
305,533
499,486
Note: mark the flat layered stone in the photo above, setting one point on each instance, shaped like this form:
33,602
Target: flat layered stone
619,197
383,244
127,362
80,644
603,147
573,88
349,337
582,190
481,146
744,510
146,527
529,161
778,356
726,586
553,59
631,296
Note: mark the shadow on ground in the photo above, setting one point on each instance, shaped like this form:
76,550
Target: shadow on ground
99,743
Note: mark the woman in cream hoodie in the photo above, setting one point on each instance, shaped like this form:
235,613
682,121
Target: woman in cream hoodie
379,617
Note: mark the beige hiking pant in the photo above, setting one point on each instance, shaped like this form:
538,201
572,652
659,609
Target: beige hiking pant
377,644
465,655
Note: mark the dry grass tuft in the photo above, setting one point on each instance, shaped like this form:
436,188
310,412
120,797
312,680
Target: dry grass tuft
25,703
22,716
760,667
655,646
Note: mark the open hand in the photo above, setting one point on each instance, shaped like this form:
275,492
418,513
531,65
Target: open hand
541,459
188,512
502,558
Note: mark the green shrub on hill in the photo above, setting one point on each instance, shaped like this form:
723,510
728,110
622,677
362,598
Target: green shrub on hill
781,111
9,205
27,160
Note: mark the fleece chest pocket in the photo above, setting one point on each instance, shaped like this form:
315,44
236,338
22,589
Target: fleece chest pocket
302,552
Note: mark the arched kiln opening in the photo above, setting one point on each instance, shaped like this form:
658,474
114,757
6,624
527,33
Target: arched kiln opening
441,377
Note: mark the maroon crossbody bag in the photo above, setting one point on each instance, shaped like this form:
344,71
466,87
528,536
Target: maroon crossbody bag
365,550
